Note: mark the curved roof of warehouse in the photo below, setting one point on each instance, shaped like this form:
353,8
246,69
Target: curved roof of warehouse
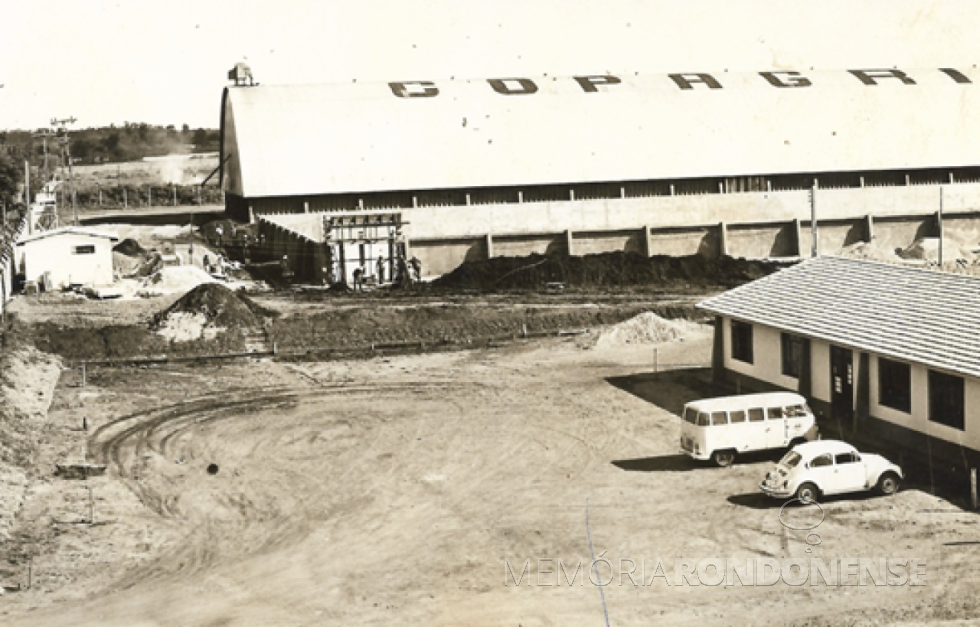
360,137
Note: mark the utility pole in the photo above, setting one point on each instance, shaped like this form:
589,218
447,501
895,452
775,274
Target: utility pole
61,126
813,218
940,221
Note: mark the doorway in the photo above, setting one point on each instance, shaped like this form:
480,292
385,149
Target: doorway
841,383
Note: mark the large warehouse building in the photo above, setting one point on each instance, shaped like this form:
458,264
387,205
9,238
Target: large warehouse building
718,163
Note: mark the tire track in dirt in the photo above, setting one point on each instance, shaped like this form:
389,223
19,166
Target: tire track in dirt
122,442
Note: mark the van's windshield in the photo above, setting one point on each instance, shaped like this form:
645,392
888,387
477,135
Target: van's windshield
690,415
791,459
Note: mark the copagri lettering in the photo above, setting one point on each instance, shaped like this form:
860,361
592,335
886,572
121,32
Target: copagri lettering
685,81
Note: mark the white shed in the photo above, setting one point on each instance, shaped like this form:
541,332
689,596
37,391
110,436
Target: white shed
71,255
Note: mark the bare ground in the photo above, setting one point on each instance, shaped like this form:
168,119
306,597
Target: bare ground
392,490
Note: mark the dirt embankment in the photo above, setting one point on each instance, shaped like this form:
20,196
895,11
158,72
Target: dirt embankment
595,290
616,269
27,382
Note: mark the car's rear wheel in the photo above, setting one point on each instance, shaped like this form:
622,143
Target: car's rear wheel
723,458
888,484
807,493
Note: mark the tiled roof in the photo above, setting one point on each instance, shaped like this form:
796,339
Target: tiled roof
911,314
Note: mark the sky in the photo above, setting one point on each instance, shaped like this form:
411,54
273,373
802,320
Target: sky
166,62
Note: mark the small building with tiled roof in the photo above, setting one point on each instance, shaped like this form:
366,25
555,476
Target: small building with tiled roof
883,349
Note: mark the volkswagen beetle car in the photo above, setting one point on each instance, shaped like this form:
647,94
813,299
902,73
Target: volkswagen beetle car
826,467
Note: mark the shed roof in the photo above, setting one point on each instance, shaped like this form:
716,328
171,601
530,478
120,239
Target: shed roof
68,230
911,314
362,137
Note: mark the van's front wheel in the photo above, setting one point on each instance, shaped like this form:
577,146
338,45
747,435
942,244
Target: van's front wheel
723,458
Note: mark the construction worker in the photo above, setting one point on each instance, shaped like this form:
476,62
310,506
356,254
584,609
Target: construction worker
358,278
381,269
416,268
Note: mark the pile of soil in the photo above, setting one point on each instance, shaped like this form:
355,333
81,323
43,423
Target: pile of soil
206,311
647,328
130,248
871,251
615,269
176,279
927,249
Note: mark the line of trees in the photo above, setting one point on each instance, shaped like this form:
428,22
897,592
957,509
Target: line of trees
109,144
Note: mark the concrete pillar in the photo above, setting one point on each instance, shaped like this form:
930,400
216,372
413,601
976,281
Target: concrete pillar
360,203
622,192
952,179
869,227
251,214
468,201
520,197
718,351
908,180
415,202
671,189
571,194
489,246
722,239
306,207
798,230
647,241
862,182
569,245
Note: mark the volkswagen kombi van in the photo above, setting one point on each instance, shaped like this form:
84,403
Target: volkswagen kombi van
720,428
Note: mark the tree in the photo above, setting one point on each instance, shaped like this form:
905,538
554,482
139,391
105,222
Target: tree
10,178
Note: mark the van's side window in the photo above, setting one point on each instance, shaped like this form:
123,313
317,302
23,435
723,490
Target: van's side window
757,415
737,416
704,419
796,411
719,418
775,413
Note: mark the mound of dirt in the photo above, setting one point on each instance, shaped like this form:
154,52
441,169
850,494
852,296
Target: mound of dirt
647,328
175,279
869,250
927,249
130,248
207,310
605,269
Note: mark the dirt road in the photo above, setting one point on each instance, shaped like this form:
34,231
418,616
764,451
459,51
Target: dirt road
396,491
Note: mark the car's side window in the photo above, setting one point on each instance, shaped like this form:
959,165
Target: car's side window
847,458
757,415
821,460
